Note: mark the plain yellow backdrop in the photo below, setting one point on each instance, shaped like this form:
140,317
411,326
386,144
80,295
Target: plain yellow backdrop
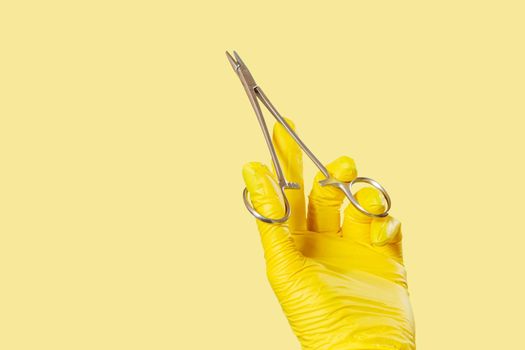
124,130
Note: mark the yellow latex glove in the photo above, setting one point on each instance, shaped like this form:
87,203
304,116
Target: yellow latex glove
340,287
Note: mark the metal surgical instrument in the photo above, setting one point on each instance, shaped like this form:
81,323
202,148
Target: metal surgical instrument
255,94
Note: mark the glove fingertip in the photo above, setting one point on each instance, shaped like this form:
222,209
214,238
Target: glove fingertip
343,168
384,231
263,188
371,200
251,168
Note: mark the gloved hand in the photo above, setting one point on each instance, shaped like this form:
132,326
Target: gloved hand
340,287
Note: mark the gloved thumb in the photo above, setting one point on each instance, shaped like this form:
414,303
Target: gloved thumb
280,252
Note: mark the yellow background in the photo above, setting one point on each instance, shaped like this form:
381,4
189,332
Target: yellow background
124,129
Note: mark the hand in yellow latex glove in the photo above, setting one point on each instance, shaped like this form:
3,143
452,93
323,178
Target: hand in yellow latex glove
340,287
